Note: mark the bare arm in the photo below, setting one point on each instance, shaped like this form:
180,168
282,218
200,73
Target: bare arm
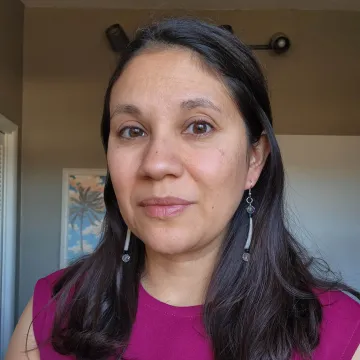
357,354
18,344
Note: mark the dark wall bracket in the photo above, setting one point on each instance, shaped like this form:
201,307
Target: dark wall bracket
279,42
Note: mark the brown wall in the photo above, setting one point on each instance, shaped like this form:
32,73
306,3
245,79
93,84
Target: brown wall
314,88
67,62
11,46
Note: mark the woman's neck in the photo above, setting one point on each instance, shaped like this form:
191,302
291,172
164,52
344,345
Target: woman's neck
179,280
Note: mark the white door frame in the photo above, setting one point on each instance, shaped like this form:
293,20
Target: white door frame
8,253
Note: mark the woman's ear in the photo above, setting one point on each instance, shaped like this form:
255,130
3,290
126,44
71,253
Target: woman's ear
257,158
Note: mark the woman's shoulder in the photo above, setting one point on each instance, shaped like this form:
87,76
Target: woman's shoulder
55,276
43,287
340,307
340,327
43,306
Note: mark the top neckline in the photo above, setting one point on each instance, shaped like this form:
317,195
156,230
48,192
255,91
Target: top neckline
183,311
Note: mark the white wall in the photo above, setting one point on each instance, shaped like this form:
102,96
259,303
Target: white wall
323,191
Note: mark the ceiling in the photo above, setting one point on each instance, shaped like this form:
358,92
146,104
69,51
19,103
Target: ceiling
200,4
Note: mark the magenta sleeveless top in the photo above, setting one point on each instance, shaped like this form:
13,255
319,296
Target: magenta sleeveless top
162,331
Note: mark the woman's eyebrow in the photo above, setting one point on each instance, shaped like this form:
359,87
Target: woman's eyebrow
126,109
186,104
199,102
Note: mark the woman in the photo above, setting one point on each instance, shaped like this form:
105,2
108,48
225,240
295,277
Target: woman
195,260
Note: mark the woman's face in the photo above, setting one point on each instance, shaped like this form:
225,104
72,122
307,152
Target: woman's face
178,154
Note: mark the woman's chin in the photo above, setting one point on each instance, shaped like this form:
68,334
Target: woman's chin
169,244
169,248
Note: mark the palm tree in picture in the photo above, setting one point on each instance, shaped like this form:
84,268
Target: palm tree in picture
89,205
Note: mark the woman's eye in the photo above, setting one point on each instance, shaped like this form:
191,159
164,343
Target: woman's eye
199,128
131,132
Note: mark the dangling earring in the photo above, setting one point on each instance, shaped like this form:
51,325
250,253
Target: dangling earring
126,257
250,210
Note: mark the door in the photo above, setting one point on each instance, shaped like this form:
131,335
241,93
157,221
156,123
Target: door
2,144
8,213
2,160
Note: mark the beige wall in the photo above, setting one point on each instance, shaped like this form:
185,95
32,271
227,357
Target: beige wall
11,46
317,188
67,62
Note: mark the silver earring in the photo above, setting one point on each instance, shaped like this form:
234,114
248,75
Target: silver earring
126,257
250,210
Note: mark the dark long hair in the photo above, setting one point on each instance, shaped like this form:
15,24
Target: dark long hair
261,310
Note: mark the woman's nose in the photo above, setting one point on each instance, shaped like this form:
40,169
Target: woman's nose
161,158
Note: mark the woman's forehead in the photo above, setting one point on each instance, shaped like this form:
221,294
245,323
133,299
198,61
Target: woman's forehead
169,77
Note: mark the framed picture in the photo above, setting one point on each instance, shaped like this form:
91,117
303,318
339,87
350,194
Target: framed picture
83,211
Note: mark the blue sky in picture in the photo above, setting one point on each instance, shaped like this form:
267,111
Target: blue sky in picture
86,211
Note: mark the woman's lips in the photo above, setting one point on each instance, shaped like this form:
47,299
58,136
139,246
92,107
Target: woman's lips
164,207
